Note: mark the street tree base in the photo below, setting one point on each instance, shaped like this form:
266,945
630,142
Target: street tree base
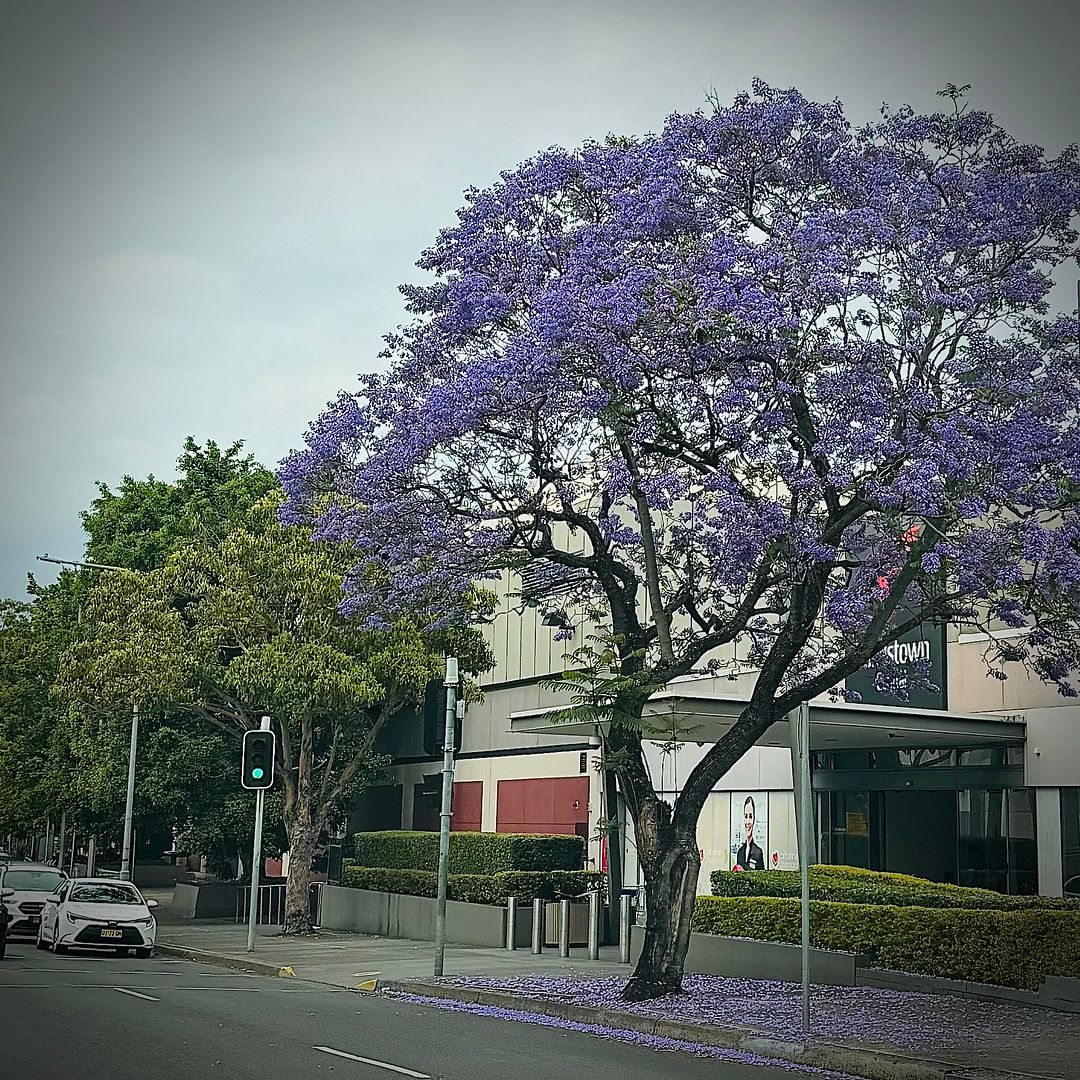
643,988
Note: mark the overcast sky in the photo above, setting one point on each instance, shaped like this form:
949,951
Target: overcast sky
206,206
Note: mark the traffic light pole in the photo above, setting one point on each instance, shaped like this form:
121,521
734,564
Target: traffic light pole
444,817
256,855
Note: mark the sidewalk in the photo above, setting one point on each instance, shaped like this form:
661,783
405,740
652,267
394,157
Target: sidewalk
866,1031
344,959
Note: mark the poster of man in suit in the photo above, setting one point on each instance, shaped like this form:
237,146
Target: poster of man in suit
749,830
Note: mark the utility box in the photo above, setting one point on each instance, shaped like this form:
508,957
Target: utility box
579,923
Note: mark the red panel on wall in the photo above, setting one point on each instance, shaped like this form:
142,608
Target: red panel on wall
554,804
467,806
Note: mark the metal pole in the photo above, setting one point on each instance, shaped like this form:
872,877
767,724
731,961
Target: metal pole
256,856
61,847
805,826
538,926
564,928
450,683
624,928
125,853
91,857
594,924
71,863
511,923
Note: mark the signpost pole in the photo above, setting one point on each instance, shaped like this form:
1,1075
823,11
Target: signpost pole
805,827
444,817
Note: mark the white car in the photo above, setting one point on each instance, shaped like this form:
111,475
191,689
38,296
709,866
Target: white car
31,883
98,913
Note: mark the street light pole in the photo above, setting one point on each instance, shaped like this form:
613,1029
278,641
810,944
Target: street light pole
127,855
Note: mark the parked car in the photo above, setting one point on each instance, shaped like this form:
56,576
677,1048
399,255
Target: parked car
4,919
98,913
30,884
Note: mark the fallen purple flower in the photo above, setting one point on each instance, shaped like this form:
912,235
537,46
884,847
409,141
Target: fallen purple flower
652,1042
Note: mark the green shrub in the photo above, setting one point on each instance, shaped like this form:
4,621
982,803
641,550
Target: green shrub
854,885
1009,948
526,885
470,852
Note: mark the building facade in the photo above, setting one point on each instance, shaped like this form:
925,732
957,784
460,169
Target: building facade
985,792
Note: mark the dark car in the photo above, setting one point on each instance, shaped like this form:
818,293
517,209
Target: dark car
4,920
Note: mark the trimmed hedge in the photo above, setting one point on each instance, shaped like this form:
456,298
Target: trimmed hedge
854,885
470,852
526,885
1008,948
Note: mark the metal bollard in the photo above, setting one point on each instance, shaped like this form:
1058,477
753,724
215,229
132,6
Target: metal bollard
511,923
624,928
564,928
594,925
538,927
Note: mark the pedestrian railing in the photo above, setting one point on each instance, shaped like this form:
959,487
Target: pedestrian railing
269,904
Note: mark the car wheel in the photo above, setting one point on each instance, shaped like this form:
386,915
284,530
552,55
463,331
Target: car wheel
144,954
57,948
41,943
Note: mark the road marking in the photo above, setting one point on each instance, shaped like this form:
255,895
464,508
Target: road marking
220,989
364,974
371,1061
134,993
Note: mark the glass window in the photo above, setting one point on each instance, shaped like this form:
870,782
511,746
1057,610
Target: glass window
32,880
927,758
986,755
104,893
845,829
1070,839
1023,861
983,849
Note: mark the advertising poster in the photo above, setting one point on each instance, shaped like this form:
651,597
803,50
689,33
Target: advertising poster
782,852
749,830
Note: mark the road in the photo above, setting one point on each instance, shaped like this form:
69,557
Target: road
84,1017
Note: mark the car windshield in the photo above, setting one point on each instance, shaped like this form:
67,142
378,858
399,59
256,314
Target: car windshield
104,893
32,880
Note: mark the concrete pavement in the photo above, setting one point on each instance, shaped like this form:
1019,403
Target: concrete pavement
353,960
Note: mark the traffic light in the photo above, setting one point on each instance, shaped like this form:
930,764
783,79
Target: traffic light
257,760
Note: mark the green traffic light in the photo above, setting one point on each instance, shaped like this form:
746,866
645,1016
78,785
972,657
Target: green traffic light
256,774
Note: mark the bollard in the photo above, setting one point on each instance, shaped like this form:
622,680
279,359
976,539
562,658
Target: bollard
564,928
538,927
511,923
624,928
594,925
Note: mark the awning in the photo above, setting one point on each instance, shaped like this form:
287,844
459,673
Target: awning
699,717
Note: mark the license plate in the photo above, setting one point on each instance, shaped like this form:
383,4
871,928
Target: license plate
34,920
112,933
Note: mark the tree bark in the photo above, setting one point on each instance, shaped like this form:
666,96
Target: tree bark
670,891
303,840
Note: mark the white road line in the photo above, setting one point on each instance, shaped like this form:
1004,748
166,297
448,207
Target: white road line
134,993
220,989
371,1061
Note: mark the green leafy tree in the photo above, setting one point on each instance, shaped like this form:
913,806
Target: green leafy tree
230,630
36,765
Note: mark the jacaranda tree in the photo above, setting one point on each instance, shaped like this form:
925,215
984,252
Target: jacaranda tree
762,380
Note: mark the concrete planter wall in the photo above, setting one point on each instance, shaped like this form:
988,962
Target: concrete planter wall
386,914
744,958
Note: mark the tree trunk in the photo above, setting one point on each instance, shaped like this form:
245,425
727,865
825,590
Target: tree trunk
303,840
670,892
